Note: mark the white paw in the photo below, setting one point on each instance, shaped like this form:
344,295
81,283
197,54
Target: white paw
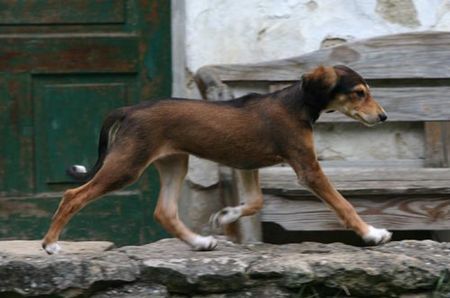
377,236
225,216
203,243
52,248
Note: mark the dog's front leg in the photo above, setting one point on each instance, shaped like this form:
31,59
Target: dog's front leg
172,170
310,174
251,194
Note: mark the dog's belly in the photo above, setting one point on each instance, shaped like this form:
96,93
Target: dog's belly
239,159
252,164
242,149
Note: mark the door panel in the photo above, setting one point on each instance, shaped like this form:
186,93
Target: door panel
38,12
16,135
70,53
68,113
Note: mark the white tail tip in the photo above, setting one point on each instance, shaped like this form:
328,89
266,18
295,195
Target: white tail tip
79,169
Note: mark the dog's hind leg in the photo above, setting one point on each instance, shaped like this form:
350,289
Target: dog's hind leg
249,192
118,170
172,170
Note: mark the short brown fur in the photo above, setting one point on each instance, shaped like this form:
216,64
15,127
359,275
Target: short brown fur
246,133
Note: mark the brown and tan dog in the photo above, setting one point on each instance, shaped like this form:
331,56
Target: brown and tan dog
246,133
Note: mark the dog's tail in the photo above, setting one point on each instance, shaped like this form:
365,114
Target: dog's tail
108,133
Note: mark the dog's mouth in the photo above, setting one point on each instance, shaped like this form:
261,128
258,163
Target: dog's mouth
364,119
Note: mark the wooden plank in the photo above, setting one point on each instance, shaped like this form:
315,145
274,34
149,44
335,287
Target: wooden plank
249,226
278,86
434,145
69,53
446,142
366,174
375,163
352,181
393,212
409,55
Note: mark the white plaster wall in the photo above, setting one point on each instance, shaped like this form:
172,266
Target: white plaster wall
232,31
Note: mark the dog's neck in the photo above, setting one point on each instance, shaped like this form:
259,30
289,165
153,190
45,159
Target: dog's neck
296,100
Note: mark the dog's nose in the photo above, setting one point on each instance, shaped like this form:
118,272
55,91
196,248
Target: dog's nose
382,117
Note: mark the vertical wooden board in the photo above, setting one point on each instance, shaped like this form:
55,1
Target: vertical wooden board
437,144
153,19
68,117
16,140
446,142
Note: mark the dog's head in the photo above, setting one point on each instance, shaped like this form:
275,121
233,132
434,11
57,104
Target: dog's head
342,89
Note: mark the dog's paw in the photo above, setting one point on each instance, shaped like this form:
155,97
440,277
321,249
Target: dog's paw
225,216
203,243
377,236
51,248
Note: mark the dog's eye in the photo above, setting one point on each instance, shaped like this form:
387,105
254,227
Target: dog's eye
360,93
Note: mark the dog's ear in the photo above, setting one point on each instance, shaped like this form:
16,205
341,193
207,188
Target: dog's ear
318,84
321,78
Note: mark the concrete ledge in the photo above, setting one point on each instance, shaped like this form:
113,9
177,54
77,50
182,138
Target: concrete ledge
168,267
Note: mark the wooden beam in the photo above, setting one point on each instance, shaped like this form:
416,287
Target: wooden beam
408,55
434,148
365,181
437,144
402,104
392,212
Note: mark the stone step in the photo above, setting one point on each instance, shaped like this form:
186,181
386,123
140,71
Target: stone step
33,247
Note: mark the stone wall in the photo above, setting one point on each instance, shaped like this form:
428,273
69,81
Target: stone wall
168,268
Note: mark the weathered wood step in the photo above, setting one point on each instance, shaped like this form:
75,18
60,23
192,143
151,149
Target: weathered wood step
362,181
395,212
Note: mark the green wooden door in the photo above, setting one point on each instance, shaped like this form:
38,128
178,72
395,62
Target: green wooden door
63,66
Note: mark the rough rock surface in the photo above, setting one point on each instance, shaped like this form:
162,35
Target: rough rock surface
169,268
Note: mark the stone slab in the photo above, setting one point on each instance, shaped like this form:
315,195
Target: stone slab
169,268
33,247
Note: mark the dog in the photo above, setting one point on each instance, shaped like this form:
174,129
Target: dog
246,133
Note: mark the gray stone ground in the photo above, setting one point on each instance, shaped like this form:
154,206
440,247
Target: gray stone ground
168,268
